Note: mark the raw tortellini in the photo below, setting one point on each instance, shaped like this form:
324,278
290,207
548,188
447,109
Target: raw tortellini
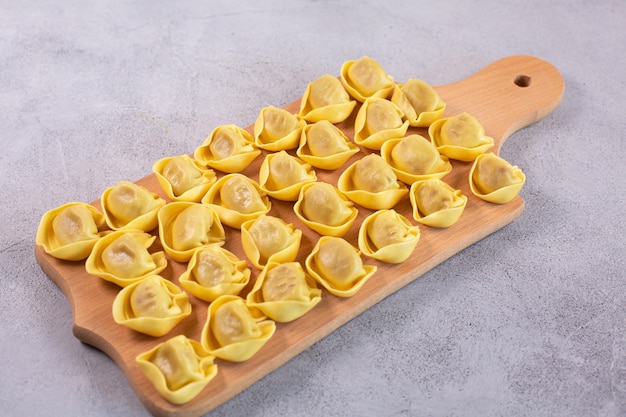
232,332
178,368
414,158
127,205
460,137
419,102
182,178
213,271
370,182
388,236
122,257
337,266
228,148
276,129
284,292
70,231
270,239
325,209
237,198
493,179
326,99
153,306
185,226
377,121
364,78
435,203
282,175
324,145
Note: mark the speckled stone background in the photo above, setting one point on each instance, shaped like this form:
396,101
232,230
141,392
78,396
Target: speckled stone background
530,321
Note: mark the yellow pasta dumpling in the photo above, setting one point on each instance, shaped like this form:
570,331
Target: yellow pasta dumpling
284,292
337,266
179,368
153,306
213,271
276,129
69,232
364,78
228,148
231,331
270,239
377,121
436,204
185,226
495,180
324,145
460,137
419,102
414,158
237,198
371,183
122,257
284,281
282,175
326,99
182,178
127,205
388,236
325,209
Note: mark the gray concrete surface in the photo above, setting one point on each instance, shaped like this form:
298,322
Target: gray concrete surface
530,321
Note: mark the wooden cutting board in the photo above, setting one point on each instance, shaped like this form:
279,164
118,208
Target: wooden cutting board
505,96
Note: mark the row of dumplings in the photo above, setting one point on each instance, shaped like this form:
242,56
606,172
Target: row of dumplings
115,242
72,231
375,182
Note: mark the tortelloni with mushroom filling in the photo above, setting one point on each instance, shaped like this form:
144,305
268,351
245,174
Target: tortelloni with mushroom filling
69,232
153,306
179,368
436,204
325,146
495,180
233,331
414,158
183,178
213,271
228,148
276,129
284,292
185,226
419,102
326,99
337,266
270,239
237,198
364,78
127,205
282,175
325,209
377,121
460,137
371,183
388,236
122,257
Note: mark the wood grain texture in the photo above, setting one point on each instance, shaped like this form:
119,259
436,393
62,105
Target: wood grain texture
505,96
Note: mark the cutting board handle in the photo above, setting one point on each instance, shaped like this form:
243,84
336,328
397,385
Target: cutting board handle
510,94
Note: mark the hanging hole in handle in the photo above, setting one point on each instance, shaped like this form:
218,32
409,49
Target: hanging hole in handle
522,81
